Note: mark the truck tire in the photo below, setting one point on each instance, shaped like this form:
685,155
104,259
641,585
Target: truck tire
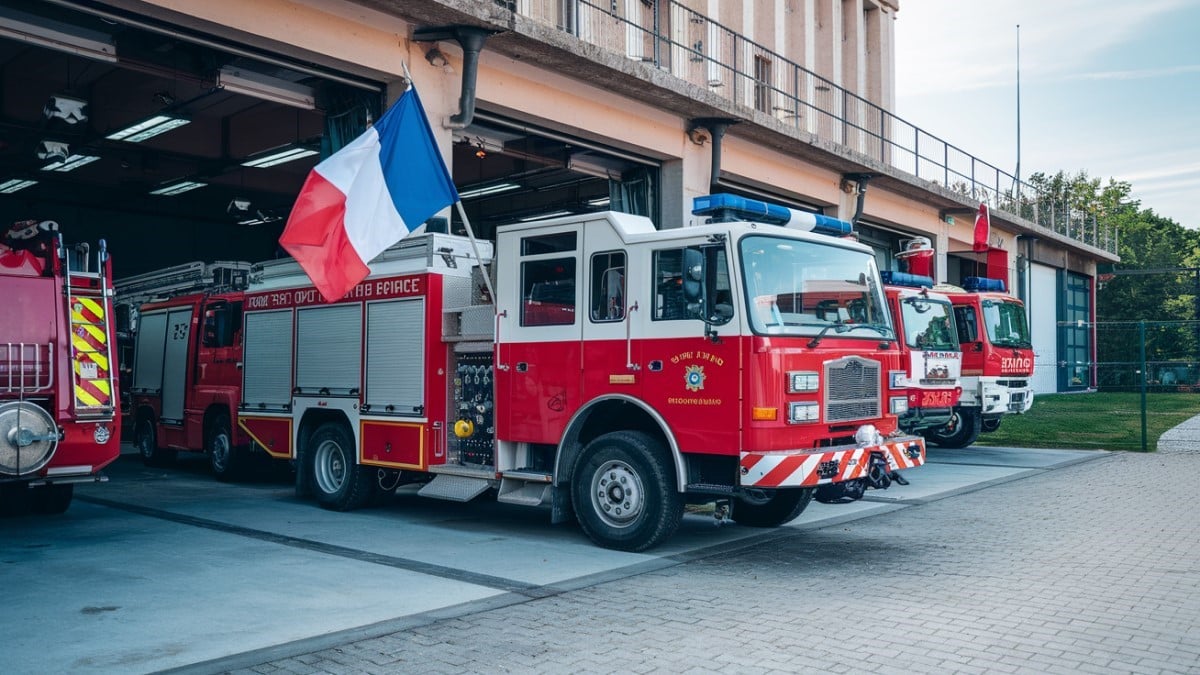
228,461
961,431
624,492
53,499
762,508
338,480
146,439
990,425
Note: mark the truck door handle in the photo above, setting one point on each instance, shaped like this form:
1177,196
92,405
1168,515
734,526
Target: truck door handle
522,367
656,366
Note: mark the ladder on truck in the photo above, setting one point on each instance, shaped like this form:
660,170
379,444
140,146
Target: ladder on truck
91,350
193,277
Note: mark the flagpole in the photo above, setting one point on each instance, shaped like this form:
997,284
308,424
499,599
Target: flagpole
1018,119
487,278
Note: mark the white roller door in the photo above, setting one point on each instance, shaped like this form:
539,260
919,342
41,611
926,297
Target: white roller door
1043,326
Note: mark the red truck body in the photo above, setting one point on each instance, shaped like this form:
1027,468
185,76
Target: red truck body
58,391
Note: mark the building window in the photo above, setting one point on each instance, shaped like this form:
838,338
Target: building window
762,84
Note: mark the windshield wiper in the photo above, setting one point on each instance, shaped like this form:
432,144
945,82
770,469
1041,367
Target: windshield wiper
837,328
881,328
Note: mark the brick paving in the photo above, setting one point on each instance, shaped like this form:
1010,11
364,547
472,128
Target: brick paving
1089,569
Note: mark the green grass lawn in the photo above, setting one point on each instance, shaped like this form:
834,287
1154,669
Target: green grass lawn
1102,420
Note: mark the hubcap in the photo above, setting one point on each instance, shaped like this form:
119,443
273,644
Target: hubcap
617,494
220,451
329,467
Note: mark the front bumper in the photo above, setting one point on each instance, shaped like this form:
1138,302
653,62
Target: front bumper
822,466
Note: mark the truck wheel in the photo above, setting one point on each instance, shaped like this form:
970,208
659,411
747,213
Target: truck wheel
228,461
764,508
961,431
990,425
147,444
340,483
624,492
52,499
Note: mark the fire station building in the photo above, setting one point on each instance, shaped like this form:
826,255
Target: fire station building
182,131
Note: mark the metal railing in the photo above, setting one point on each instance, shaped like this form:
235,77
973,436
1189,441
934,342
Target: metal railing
707,54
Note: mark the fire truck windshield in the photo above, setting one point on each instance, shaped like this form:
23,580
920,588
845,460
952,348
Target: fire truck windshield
796,287
928,324
1006,325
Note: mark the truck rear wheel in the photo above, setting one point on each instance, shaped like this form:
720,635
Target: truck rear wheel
761,508
52,499
147,444
990,425
227,460
339,481
961,431
624,492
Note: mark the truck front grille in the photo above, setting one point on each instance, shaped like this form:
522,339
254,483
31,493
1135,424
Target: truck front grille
852,390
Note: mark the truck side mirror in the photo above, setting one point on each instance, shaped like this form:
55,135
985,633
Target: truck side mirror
211,335
693,275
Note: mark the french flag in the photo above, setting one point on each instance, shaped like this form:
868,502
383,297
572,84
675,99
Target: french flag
366,197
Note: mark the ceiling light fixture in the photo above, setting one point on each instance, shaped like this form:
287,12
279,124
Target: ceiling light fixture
67,108
57,35
487,190
148,128
543,216
258,85
278,156
70,163
178,188
13,184
54,150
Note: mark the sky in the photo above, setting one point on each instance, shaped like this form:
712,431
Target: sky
1110,87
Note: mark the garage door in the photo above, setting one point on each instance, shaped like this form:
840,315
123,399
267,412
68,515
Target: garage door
1043,326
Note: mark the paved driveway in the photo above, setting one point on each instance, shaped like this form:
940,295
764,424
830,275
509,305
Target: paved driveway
166,568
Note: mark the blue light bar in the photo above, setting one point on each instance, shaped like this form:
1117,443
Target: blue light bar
905,279
983,284
726,208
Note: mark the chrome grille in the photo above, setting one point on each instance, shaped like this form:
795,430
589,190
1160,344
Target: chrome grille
852,390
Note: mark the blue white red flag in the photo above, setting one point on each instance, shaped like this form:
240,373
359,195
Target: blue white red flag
366,197
983,226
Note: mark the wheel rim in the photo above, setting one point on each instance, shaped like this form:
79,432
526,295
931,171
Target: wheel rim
954,426
329,467
618,496
145,440
220,449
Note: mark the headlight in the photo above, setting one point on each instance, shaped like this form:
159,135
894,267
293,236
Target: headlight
897,377
898,405
802,381
803,412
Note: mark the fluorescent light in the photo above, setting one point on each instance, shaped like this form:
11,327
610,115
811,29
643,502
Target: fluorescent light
543,216
266,87
489,190
12,185
279,157
57,35
599,201
178,188
71,163
140,131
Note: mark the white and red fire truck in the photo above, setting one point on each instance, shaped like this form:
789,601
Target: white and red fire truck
186,380
620,372
997,360
931,359
58,396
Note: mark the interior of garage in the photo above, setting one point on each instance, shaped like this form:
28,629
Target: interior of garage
175,147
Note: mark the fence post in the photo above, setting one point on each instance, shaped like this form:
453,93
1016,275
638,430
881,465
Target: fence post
1142,357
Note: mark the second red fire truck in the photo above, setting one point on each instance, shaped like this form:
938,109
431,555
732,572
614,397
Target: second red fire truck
619,373
58,393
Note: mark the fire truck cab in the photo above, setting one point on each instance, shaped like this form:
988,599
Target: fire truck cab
58,395
997,354
932,361
619,372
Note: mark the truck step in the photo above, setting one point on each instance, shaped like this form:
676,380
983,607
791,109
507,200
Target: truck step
709,488
455,488
516,491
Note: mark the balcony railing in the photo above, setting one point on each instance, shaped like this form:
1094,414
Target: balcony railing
703,52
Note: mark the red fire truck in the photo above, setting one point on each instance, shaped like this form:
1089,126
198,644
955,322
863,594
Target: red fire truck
932,362
997,360
58,396
619,373
186,379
